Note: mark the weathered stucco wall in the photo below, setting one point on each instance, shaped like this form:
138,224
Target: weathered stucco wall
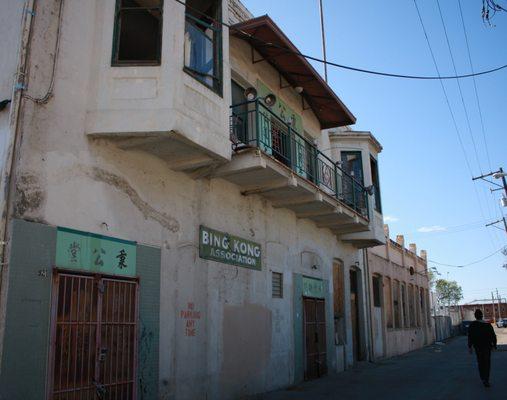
392,263
243,337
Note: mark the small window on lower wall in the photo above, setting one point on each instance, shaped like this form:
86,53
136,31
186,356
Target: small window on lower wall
137,32
277,285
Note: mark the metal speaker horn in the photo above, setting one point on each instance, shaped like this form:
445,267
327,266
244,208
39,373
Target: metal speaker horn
270,100
250,93
370,190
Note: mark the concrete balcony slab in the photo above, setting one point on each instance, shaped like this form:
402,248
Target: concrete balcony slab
178,151
258,173
374,236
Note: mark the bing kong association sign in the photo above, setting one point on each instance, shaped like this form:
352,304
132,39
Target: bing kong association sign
228,249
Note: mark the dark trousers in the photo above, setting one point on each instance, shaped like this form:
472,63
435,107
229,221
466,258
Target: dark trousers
484,362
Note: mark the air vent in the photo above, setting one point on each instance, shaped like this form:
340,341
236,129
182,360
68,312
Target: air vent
277,285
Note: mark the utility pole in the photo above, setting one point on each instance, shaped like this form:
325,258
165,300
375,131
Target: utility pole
323,33
500,174
499,305
497,221
504,181
493,304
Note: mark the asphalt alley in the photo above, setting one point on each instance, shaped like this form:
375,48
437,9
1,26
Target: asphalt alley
434,372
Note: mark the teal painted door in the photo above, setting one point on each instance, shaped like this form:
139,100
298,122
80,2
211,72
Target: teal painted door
94,338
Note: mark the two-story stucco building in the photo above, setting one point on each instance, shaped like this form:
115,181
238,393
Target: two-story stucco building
184,207
401,306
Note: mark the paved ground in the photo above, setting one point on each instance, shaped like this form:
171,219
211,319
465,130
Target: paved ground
435,372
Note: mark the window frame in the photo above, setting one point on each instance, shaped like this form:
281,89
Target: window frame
359,154
397,313
404,305
375,178
115,62
387,288
339,302
218,80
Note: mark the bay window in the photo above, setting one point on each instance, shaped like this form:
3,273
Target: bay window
137,32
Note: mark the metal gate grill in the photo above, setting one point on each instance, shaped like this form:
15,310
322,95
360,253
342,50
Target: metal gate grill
315,338
93,338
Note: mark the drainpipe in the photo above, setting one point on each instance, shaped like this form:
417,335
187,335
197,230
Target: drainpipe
369,318
8,178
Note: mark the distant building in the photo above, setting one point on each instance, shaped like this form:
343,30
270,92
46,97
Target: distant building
491,311
400,301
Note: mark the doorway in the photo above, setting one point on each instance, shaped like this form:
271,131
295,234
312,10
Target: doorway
378,326
354,315
315,337
93,337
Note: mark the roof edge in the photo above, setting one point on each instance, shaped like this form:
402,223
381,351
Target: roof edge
236,30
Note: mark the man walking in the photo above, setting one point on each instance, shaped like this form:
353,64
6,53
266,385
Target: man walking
481,336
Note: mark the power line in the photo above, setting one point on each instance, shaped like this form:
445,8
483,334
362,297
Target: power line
342,66
484,290
452,229
475,85
458,134
479,108
49,92
443,90
471,263
459,86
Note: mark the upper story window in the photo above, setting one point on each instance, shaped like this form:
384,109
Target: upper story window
352,164
203,42
137,32
376,184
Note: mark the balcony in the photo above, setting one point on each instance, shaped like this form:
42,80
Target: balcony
273,160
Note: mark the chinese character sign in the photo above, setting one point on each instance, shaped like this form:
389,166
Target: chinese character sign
95,253
313,287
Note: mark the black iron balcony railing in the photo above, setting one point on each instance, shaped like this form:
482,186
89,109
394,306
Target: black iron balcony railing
252,124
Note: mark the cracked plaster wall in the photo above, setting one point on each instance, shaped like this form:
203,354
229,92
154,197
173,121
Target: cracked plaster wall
67,179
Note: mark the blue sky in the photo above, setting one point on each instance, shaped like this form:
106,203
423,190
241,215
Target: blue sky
426,185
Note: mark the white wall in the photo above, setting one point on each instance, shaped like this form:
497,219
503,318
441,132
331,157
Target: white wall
64,178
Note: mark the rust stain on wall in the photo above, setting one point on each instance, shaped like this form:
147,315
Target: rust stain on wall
146,209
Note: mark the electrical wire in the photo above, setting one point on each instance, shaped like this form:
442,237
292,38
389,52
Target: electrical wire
459,87
337,65
443,90
466,265
49,93
479,108
458,134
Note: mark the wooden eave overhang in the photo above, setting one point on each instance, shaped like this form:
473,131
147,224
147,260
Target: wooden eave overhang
276,48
